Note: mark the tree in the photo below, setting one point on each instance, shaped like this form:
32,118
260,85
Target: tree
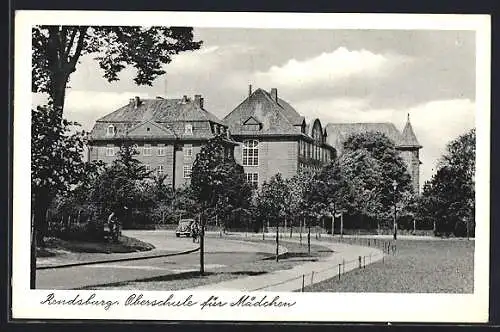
272,202
120,186
330,191
56,162
297,187
448,199
216,179
214,175
364,174
377,183
273,198
58,49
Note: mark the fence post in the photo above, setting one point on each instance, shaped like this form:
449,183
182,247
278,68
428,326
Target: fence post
339,270
364,262
303,280
312,277
343,265
359,259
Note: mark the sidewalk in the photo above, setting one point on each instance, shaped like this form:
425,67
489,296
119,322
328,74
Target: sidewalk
345,258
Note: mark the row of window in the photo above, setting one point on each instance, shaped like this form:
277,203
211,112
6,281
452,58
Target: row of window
188,129
147,151
186,170
313,151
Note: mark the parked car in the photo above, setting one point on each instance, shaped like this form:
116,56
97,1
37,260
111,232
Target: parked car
184,227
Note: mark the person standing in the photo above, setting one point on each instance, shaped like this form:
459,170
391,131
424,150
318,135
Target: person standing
194,231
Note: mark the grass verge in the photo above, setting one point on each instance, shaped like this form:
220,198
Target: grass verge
442,266
297,254
125,244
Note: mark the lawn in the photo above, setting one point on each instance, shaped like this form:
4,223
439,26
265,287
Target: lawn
297,254
433,266
125,244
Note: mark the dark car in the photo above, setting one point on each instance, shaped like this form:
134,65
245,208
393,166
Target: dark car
184,227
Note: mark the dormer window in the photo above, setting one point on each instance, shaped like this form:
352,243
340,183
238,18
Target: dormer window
188,129
111,130
252,124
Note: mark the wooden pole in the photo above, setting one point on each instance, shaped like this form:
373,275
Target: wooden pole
202,245
333,223
277,240
309,238
341,224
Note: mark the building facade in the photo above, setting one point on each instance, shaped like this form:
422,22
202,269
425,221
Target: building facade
274,138
168,134
406,142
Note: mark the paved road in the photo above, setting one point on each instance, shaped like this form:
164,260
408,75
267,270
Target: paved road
218,253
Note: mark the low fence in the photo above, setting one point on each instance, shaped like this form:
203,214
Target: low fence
338,271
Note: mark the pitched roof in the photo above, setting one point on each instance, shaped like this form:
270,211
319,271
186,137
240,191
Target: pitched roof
276,117
337,133
167,113
161,110
408,138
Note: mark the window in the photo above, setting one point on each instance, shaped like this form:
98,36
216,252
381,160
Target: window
110,151
111,130
188,151
253,179
159,170
147,167
161,151
188,129
147,150
251,153
186,171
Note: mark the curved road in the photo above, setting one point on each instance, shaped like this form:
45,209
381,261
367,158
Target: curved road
218,253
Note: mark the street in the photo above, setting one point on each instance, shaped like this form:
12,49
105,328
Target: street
218,253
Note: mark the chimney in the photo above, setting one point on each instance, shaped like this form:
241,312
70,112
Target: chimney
274,94
249,90
137,101
198,100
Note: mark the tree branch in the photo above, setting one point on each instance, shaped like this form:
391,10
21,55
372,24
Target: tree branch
79,47
70,44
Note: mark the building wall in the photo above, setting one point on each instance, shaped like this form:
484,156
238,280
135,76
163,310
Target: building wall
275,156
412,161
182,160
98,152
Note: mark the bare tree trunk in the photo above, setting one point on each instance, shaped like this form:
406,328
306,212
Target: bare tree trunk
41,203
33,253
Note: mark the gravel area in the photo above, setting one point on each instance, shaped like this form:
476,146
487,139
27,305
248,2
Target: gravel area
442,266
297,254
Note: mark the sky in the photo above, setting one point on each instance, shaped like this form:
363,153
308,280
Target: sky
333,75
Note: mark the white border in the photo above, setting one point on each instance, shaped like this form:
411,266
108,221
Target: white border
354,307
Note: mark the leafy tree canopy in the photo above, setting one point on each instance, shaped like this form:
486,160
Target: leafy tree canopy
390,165
217,181
57,51
448,199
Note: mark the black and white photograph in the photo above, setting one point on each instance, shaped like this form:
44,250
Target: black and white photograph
210,164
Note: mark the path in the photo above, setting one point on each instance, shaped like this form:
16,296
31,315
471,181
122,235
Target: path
291,280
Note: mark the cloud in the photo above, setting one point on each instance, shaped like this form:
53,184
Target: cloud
329,67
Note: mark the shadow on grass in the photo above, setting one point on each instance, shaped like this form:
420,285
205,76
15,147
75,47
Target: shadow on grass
290,255
173,277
